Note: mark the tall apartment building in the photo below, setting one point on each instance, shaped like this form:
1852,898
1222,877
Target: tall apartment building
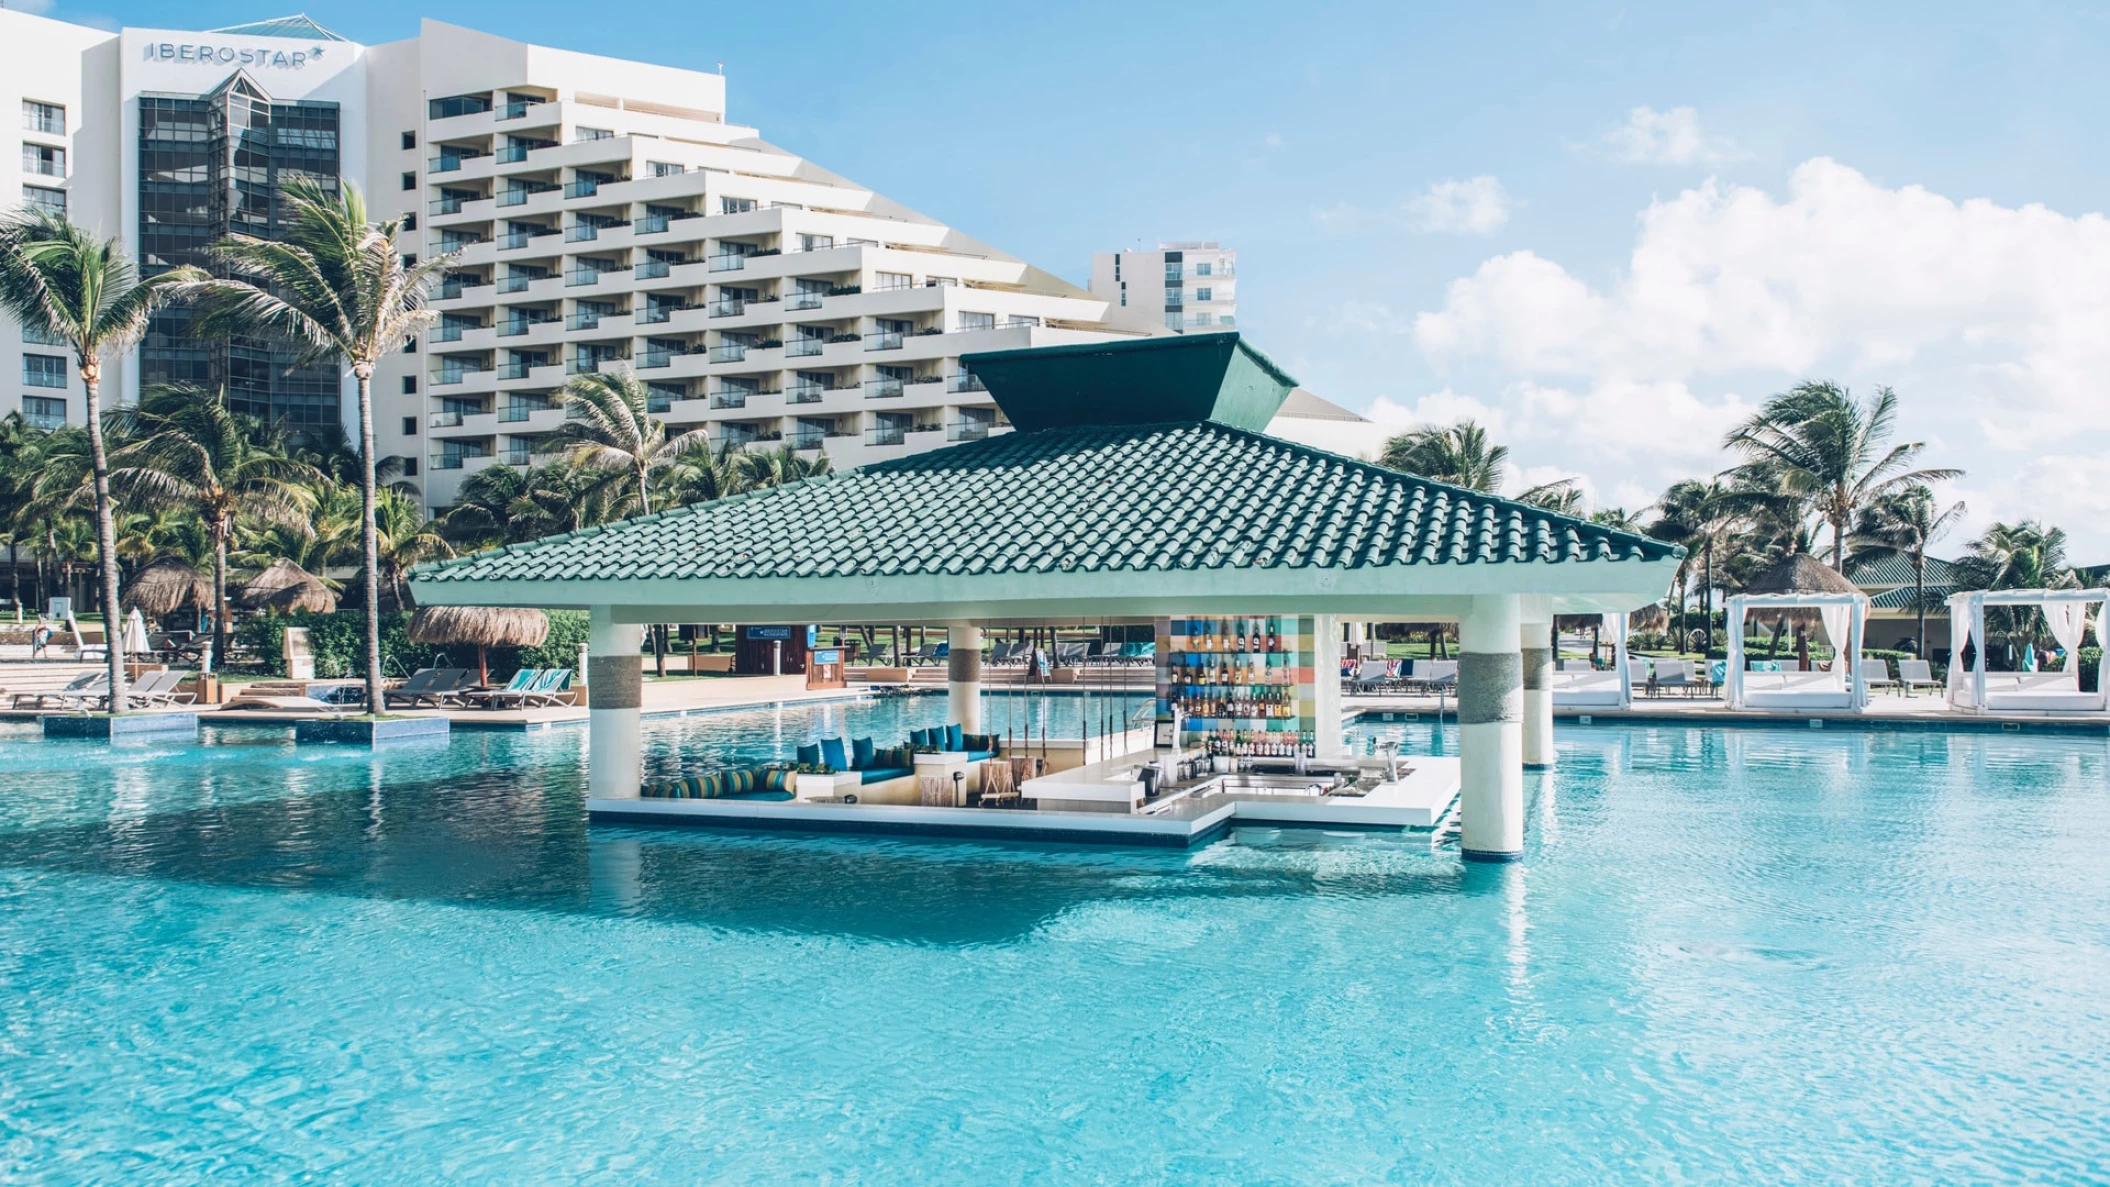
605,214
1189,286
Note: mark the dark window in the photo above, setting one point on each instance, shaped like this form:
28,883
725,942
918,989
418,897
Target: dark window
212,165
410,140
410,221
410,181
410,426
43,412
44,370
36,197
410,345
410,385
410,467
410,260
454,105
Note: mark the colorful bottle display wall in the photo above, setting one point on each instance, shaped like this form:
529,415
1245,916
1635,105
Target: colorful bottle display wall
1242,685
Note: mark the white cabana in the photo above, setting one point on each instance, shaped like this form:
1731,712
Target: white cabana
1978,690
1598,688
1845,619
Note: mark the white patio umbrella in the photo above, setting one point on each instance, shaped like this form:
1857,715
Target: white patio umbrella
135,636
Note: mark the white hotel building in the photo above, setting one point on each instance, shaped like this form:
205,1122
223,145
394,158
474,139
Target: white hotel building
606,216
1193,286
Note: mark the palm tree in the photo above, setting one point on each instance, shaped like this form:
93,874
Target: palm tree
2025,555
60,279
699,474
508,505
1682,519
339,287
1819,442
407,538
188,450
778,467
607,429
1903,524
1459,454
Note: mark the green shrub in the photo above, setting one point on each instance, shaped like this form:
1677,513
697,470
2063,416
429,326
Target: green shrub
339,642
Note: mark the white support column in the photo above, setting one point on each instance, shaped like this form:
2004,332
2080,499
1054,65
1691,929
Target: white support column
1535,647
1491,730
963,676
615,684
1326,685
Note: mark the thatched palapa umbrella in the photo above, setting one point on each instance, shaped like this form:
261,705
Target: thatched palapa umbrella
1652,617
166,586
482,627
1800,574
286,588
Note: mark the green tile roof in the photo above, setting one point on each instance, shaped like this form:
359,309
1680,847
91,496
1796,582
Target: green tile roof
1897,570
1138,499
1901,599
1140,381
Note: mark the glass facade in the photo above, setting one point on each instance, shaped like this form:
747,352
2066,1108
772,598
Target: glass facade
214,165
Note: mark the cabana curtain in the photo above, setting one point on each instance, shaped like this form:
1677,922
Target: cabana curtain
2068,620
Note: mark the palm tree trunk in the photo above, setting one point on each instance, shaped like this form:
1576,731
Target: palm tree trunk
219,594
105,537
369,540
1919,599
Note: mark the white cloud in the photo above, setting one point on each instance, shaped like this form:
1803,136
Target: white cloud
1673,137
1476,206
1989,319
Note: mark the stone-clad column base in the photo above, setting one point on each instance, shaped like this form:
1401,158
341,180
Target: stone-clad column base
963,676
615,687
1491,731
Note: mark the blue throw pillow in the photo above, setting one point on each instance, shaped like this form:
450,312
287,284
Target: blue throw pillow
832,754
810,756
953,738
860,753
919,737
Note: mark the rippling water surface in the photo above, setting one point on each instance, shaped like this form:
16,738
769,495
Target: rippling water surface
1730,955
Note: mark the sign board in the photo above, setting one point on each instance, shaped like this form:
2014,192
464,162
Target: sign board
300,654
769,632
61,608
828,655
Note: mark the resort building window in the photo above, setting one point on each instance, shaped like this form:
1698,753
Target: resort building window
977,321
816,242
454,105
584,134
47,118
39,336
43,412
43,160
1020,319
665,168
884,281
941,282
728,205
1203,294
43,370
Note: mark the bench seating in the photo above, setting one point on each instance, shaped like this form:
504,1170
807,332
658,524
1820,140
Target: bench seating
742,783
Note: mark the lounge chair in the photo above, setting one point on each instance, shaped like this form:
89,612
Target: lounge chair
522,682
1070,655
1876,673
159,688
38,700
553,689
1435,675
437,685
1636,672
926,654
1371,676
1674,673
1002,653
1916,673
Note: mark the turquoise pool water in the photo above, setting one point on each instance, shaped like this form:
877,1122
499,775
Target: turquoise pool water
1729,955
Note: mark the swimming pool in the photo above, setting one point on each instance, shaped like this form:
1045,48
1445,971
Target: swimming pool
1729,955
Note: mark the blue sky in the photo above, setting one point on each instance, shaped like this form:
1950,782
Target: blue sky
1608,229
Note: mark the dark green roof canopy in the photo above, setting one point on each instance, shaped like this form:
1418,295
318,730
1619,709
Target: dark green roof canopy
1178,377
1085,520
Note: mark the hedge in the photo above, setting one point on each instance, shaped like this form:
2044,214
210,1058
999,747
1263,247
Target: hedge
339,643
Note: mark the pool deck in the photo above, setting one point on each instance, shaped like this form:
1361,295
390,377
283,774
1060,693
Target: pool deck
1929,711
1419,803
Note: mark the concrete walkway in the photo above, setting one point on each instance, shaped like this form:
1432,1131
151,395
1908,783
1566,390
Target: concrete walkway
1885,711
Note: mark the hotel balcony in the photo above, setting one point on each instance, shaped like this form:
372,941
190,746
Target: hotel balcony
883,389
